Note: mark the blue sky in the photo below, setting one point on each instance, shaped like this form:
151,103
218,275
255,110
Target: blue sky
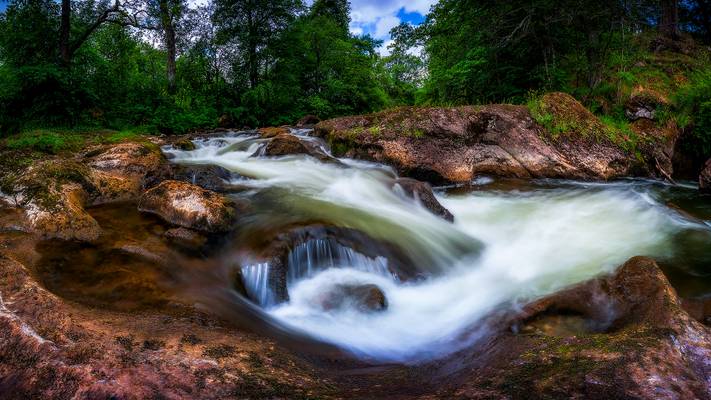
377,17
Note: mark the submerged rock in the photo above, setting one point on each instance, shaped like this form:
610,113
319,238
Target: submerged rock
441,145
365,298
185,238
705,178
184,144
210,177
422,192
189,206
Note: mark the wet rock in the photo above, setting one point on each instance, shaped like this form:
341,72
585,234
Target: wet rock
283,145
122,171
705,178
657,145
422,192
185,238
444,145
272,131
189,206
56,349
210,177
184,144
65,218
621,336
365,298
308,121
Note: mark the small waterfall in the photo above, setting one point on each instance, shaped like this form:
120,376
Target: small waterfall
256,282
316,255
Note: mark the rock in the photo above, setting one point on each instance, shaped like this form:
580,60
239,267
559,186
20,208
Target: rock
65,218
444,145
185,238
365,298
271,132
210,177
643,103
288,144
184,144
422,192
283,145
308,121
122,171
632,340
657,145
189,206
705,178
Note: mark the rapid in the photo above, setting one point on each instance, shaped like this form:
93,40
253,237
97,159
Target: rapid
510,243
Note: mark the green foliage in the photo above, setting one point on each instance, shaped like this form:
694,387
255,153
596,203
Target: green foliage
44,141
694,108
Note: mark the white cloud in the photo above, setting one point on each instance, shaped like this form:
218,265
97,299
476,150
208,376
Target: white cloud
378,17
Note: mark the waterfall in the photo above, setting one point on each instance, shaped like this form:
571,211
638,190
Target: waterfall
316,255
256,281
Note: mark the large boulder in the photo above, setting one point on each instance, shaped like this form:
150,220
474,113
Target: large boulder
621,336
705,178
65,218
122,171
422,192
556,138
189,206
286,144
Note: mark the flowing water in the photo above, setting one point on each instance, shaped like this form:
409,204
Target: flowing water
511,242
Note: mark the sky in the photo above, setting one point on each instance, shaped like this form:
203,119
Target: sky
377,17
373,17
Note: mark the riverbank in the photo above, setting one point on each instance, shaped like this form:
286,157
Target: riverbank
100,298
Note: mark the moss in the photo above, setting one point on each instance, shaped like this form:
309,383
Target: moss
220,351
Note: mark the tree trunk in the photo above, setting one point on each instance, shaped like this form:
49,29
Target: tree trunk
669,21
252,52
64,29
170,45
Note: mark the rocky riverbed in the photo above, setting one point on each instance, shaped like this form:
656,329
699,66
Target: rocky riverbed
141,270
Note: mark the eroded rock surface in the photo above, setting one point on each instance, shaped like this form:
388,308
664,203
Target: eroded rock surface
636,342
438,144
189,206
705,178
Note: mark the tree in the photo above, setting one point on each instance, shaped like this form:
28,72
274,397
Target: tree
68,47
167,14
252,26
669,20
336,10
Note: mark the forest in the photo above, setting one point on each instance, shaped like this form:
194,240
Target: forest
166,66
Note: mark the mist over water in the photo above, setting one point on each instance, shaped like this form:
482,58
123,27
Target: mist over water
506,247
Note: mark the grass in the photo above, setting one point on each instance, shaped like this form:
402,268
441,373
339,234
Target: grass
46,141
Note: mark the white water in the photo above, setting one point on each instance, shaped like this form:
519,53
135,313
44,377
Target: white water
534,243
